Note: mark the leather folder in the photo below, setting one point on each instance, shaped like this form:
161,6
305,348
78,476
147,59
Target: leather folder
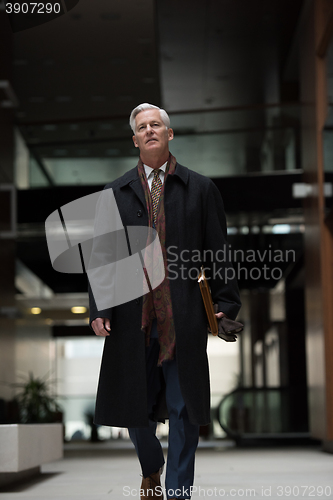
224,327
208,302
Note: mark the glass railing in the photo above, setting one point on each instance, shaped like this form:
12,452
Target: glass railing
214,142
262,413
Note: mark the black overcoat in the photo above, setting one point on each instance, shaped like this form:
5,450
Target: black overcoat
195,231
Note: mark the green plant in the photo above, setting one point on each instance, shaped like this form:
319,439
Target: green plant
35,403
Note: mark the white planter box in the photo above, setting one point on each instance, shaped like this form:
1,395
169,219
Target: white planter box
26,446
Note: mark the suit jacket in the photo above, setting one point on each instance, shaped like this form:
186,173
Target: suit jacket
195,234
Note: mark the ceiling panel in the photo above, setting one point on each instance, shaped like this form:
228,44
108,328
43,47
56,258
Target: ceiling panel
97,60
217,53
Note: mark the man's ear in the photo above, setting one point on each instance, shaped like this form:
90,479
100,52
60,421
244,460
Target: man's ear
170,134
135,143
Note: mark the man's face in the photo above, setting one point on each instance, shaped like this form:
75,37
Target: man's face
151,135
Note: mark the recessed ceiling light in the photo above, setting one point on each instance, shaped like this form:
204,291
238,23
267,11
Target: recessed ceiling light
35,310
281,229
78,309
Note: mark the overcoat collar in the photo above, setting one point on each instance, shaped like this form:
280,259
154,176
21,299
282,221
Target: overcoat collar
131,178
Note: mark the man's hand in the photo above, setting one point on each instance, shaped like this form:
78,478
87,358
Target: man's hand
220,315
101,327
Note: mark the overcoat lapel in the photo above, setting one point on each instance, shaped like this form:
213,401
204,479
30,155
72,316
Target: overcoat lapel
132,179
137,188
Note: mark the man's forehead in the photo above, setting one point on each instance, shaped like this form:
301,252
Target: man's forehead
148,114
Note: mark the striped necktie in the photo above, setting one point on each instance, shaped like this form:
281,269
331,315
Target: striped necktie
156,188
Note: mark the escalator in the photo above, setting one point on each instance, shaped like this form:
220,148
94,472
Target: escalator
250,415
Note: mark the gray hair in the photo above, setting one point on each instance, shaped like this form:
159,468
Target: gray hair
164,115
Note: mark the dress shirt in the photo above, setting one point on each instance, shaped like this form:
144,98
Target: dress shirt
150,174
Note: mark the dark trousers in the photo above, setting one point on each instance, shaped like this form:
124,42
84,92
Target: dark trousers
183,436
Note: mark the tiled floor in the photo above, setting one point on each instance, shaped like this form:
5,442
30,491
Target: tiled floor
102,473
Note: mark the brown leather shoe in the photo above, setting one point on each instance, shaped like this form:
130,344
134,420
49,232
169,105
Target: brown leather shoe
151,486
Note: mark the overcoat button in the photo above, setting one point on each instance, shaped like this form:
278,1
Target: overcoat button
137,301
139,213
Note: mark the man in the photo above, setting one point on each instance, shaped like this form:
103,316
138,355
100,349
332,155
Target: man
155,347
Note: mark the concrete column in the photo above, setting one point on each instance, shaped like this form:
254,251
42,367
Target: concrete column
316,32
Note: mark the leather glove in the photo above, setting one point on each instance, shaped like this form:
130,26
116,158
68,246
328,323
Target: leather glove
227,328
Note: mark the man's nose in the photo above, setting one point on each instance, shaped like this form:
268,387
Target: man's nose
149,129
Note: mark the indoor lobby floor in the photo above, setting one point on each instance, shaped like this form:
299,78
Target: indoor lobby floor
100,473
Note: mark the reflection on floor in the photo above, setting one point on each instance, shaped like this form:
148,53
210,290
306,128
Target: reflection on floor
111,471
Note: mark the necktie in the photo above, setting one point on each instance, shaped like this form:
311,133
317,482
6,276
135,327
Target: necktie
155,192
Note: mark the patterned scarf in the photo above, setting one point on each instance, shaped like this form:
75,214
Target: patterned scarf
157,303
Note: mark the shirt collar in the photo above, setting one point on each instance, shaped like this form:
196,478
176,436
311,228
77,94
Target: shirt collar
149,170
